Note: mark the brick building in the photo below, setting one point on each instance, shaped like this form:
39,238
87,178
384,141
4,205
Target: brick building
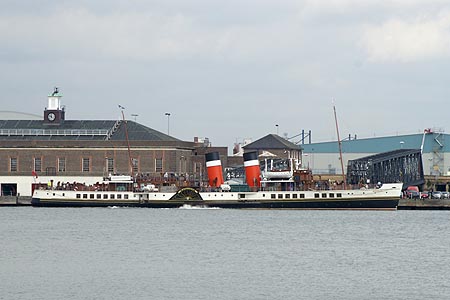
59,150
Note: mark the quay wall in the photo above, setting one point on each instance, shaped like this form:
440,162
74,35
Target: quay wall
14,201
424,204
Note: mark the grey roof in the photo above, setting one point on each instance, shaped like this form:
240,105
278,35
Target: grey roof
138,132
79,130
271,141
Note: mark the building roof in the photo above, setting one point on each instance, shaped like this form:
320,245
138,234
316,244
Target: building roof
271,141
433,142
79,130
139,132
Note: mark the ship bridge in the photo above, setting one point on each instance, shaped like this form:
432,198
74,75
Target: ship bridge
239,171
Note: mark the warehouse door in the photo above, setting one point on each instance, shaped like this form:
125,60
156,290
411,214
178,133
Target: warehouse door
9,189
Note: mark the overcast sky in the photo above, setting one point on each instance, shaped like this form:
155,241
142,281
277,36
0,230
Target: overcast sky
231,70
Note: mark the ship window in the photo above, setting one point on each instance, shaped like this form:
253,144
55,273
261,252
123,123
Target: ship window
324,195
78,196
125,196
99,196
331,195
91,196
280,196
64,194
105,196
111,196
264,195
272,196
287,196
242,196
316,195
84,196
294,196
119,196
302,195
339,195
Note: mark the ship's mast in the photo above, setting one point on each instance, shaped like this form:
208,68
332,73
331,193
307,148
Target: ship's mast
340,147
130,163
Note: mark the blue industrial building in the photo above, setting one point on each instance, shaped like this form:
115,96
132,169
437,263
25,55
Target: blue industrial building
323,157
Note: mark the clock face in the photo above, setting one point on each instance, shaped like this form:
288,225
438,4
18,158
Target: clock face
51,116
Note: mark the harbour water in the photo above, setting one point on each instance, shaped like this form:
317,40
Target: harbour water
125,253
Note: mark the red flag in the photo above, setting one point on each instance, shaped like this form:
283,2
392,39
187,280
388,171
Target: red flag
35,175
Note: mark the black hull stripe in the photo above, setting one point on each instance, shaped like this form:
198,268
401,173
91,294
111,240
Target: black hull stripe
385,204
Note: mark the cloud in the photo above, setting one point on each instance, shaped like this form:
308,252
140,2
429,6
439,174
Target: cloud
83,34
79,33
337,6
401,40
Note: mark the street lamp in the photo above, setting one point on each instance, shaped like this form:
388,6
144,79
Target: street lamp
134,116
168,120
276,125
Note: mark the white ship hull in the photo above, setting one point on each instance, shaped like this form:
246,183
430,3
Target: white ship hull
385,197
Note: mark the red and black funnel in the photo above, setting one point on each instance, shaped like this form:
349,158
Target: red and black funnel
214,169
252,170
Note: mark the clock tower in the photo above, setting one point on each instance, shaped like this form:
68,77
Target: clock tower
54,114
